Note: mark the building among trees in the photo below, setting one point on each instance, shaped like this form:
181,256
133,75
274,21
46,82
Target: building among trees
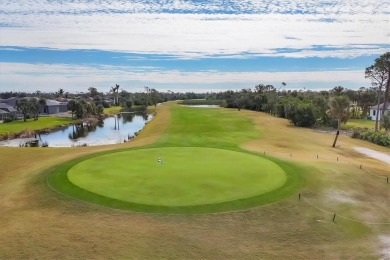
374,111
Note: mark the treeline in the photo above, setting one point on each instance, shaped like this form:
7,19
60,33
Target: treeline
115,97
306,108
302,107
93,102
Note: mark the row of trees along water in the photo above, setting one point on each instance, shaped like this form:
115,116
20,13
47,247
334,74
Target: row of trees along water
93,102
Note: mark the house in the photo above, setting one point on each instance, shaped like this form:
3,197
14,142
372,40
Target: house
53,107
9,101
374,111
7,111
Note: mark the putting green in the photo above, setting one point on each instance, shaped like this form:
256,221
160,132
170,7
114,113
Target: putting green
187,176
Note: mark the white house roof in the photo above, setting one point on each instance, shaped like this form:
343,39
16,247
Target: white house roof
50,102
381,106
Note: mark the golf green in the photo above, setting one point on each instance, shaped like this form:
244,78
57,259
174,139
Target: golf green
187,176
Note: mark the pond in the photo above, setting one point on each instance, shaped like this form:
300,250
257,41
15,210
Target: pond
112,130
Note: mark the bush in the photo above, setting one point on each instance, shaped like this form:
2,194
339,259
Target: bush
299,113
106,104
139,109
380,138
355,134
8,120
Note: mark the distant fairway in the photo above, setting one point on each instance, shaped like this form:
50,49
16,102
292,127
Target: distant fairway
187,176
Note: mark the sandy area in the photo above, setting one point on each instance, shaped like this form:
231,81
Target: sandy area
374,154
385,252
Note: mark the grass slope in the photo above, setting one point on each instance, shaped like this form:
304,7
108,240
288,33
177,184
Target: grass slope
37,222
42,123
207,128
361,123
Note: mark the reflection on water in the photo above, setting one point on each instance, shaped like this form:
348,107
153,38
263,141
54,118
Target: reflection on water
118,129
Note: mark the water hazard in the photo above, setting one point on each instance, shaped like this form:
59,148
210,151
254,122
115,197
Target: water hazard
112,130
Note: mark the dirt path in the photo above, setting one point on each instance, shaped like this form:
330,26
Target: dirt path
374,154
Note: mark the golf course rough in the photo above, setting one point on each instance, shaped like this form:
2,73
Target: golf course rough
186,176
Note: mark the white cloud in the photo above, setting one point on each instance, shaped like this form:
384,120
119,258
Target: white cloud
190,30
133,26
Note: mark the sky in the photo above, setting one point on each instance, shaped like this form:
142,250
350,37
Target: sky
189,45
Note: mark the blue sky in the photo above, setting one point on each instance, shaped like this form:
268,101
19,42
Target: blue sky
189,45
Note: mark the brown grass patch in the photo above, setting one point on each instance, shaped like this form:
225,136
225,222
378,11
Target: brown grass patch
36,222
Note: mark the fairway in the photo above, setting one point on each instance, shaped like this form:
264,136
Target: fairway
202,170
187,176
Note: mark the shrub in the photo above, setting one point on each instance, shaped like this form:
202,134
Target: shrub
299,113
386,121
8,120
380,138
355,134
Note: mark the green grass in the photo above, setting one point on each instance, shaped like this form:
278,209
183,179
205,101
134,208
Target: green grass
192,179
42,123
207,127
187,176
361,123
112,110
201,102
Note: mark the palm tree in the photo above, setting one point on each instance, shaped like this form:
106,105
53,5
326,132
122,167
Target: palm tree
339,109
115,90
60,92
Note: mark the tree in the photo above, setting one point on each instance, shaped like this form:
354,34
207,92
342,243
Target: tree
129,103
365,99
379,76
80,109
34,108
99,109
115,92
72,106
339,110
89,109
60,92
383,64
23,107
386,121
304,115
337,91
154,96
93,92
